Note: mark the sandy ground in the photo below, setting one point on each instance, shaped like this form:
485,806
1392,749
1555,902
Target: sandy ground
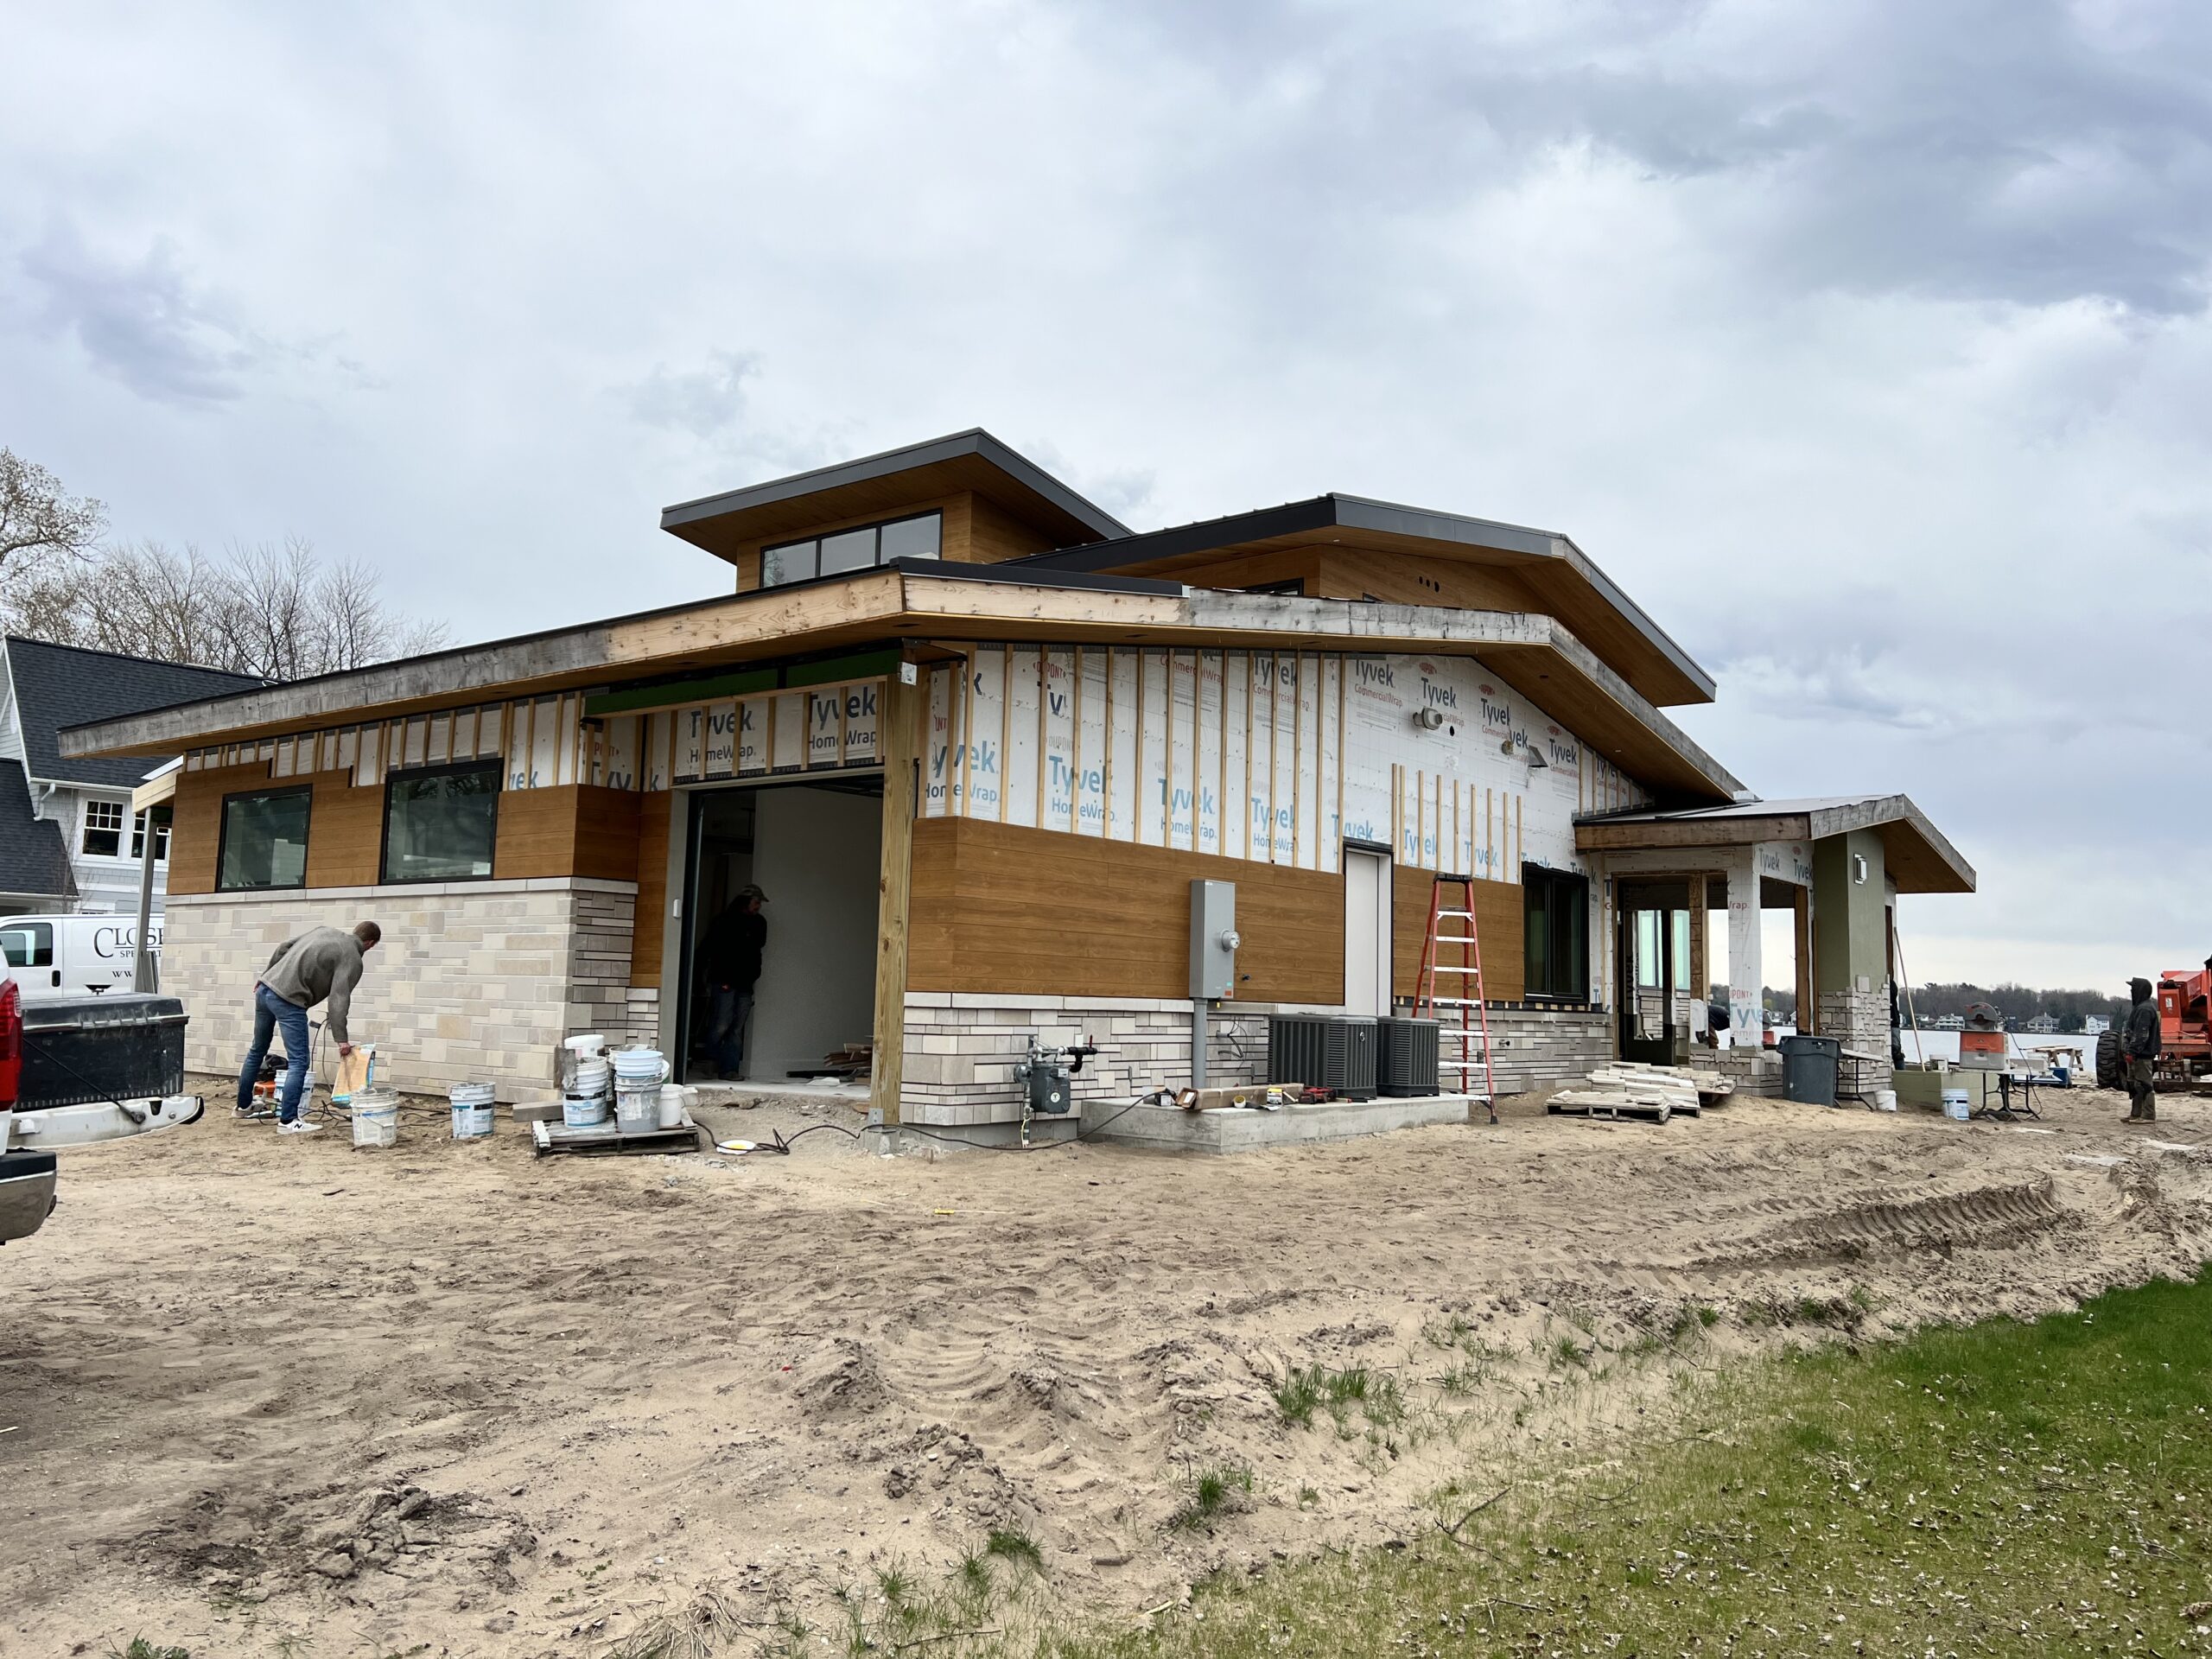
253,1389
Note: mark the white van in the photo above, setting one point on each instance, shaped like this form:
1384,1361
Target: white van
69,956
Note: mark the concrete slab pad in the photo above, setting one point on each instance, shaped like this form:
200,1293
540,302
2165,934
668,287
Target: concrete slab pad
1170,1128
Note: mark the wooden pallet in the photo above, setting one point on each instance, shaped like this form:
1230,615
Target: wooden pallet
1605,1102
550,1137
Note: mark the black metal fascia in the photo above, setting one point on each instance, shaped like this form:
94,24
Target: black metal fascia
973,442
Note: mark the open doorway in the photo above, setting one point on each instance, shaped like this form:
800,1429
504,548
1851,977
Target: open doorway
814,852
1656,997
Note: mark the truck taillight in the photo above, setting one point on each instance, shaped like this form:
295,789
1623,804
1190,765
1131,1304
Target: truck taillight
12,1044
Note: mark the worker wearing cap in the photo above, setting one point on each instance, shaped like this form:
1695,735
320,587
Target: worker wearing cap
730,963
2138,1047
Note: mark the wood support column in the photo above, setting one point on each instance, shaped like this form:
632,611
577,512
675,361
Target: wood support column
1700,978
1808,1015
899,728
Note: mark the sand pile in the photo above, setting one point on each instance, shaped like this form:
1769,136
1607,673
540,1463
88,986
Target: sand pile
445,1394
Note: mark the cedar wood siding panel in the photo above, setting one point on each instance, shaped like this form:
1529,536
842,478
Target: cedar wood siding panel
1402,579
1498,913
344,833
607,833
537,833
997,908
994,534
654,814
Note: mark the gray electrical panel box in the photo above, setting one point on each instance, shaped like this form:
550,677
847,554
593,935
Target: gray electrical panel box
1213,940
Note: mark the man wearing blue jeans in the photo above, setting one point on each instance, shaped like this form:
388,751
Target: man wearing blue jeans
731,961
320,963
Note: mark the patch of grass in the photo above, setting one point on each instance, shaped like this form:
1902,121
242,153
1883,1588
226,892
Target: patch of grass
1299,1395
975,1579
1209,1493
140,1648
1012,1545
1309,1388
2003,1488
1309,1498
1567,1351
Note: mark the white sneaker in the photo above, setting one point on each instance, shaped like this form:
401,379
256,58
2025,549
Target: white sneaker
299,1126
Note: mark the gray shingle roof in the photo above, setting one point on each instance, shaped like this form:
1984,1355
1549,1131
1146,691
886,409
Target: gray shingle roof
66,685
33,860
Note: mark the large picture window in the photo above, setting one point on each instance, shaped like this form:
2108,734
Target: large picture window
1555,919
918,538
264,840
440,823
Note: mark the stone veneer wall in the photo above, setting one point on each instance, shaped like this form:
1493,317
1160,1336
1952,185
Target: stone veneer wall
962,1049
474,981
1861,1020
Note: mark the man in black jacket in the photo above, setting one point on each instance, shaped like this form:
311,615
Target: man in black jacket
730,962
2138,1047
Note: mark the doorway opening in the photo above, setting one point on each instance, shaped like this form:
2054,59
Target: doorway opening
1655,994
814,849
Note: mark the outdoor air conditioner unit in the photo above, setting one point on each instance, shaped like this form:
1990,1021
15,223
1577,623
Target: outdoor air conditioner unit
1405,1064
1323,1051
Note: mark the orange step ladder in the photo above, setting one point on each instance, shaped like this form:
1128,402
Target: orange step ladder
1470,1031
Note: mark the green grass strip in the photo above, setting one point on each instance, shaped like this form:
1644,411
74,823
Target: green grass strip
2003,1488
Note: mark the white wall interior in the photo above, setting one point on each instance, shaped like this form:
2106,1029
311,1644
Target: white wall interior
817,853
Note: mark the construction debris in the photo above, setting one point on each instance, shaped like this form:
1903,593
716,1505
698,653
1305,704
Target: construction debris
1628,1089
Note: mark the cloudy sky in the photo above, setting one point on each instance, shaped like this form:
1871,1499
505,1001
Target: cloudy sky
1866,343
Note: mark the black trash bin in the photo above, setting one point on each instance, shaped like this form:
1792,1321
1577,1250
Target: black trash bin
1808,1069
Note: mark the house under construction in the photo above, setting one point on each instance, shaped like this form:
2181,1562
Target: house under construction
975,740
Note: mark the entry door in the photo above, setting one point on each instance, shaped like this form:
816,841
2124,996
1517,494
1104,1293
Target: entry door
1653,949
1367,933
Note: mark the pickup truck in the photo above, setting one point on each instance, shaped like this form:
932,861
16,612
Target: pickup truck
75,1070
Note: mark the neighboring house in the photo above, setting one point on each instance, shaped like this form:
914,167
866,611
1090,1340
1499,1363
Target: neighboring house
976,739
2095,1025
68,839
2043,1025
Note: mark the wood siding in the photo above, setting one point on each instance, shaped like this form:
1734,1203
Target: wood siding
1498,908
654,813
572,830
1001,908
1402,579
344,833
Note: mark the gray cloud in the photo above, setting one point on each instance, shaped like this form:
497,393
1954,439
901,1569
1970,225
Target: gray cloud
704,402
1864,345
142,320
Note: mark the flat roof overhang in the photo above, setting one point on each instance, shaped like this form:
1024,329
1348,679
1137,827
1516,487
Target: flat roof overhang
972,461
922,600
1916,855
1575,588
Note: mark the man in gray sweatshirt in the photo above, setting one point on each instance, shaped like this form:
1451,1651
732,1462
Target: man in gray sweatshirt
320,963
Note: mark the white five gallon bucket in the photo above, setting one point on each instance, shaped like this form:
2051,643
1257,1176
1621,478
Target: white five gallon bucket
583,1112
1885,1100
674,1097
472,1110
376,1117
1956,1105
591,1077
636,1111
640,1068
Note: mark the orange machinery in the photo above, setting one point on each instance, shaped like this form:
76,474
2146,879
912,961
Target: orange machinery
2184,997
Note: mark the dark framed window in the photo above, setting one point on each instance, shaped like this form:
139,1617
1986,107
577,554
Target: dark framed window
161,839
918,536
441,822
1555,923
264,840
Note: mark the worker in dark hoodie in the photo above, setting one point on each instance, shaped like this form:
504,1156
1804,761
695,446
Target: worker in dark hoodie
320,964
2138,1048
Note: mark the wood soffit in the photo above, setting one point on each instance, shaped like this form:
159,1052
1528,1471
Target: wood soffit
1535,654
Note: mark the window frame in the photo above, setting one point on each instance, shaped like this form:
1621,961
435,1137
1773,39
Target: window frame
141,827
1555,885
223,836
876,560
33,927
495,764
84,829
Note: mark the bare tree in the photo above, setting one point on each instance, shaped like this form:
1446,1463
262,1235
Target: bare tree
39,523
277,612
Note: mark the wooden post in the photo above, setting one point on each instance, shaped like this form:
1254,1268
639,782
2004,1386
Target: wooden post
1700,980
898,724
1808,1016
